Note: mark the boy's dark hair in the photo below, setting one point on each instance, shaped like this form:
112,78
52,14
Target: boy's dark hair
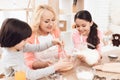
13,31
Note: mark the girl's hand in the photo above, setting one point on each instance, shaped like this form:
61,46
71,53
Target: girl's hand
99,61
82,58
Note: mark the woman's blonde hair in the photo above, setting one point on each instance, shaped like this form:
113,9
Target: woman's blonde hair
35,22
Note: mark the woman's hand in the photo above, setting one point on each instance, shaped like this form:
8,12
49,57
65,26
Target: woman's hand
40,64
57,42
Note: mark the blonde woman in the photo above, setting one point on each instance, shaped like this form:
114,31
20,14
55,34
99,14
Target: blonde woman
44,29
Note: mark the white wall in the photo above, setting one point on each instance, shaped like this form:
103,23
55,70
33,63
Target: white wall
115,16
16,4
103,11
38,2
66,7
100,12
10,13
10,4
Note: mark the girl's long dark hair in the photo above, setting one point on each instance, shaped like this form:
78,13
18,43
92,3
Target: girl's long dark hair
93,35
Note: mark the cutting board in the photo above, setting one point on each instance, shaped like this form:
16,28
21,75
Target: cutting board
108,67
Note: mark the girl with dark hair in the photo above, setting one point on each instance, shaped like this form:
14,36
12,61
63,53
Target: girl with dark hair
13,35
86,31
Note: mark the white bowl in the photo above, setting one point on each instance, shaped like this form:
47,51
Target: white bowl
85,75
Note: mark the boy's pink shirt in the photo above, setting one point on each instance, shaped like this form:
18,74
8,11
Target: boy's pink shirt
77,41
30,57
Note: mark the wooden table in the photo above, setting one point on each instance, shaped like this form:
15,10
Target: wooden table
105,59
71,74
